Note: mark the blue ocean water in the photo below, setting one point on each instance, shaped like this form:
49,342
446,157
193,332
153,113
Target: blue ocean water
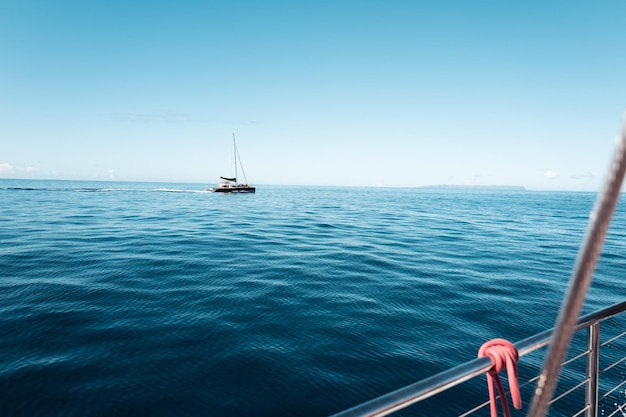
133,299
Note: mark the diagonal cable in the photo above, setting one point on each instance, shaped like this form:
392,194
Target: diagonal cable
580,280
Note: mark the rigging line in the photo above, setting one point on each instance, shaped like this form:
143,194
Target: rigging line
240,164
599,220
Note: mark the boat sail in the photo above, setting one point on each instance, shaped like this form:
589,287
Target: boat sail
230,184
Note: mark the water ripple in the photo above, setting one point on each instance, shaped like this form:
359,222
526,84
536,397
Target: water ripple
152,299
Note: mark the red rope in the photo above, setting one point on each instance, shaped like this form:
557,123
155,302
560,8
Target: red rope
503,354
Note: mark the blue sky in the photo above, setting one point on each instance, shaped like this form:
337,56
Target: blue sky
364,93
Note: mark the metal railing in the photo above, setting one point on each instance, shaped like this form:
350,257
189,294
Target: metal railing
591,379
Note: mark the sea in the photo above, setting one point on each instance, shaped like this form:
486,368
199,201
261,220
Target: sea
163,299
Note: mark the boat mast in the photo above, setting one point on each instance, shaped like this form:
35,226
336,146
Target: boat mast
235,155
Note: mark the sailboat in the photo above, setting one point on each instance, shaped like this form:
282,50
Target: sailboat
230,184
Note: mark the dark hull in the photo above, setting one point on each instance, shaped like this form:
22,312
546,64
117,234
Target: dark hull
235,190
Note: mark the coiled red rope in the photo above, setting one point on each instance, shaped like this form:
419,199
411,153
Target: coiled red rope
503,355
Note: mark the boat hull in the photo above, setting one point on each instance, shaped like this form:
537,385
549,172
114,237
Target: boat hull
234,190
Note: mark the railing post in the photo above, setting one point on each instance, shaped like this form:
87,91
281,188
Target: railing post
593,368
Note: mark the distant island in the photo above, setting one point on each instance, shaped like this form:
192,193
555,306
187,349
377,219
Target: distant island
476,187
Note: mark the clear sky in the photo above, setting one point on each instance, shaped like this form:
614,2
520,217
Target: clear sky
366,93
